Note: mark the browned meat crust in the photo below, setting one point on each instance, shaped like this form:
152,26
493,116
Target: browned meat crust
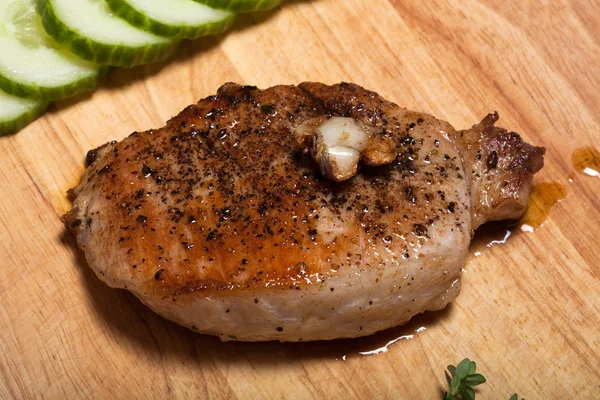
501,166
224,183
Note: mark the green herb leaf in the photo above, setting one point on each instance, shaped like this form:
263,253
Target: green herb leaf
461,380
472,367
452,369
454,383
448,377
514,397
462,369
473,380
467,393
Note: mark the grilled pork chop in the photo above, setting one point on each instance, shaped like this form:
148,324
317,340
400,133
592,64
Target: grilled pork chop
222,222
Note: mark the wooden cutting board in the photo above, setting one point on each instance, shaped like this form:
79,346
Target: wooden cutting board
529,311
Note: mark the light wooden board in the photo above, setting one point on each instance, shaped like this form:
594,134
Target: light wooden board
529,311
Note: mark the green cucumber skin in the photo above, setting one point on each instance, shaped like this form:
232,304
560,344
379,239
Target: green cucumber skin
51,93
100,53
122,9
241,6
7,128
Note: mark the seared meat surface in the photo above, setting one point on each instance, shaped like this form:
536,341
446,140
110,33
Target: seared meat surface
220,222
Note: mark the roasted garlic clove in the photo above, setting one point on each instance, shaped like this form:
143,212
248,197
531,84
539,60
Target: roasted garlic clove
338,144
338,163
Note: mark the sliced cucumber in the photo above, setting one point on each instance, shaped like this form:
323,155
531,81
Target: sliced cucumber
183,19
32,64
16,112
241,6
90,30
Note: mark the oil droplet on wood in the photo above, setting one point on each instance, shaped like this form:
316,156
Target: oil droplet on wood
542,198
385,348
381,344
586,160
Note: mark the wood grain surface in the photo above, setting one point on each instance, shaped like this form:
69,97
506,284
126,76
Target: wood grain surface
529,311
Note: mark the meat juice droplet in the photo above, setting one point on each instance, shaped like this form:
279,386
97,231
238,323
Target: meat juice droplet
542,198
586,161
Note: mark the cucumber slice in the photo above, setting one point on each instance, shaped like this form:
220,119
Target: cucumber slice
16,112
90,30
182,19
32,64
241,6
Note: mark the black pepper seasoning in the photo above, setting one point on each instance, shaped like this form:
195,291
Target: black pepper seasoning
492,161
